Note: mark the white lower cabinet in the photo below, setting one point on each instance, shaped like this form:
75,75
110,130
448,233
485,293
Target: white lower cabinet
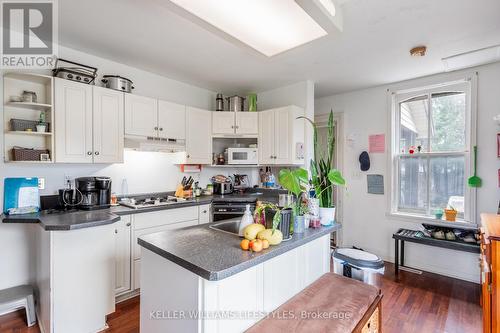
122,255
131,227
205,214
248,295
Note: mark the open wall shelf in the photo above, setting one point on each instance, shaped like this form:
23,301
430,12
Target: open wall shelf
15,83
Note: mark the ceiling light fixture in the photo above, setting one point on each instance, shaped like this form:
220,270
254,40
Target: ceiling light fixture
268,26
418,51
478,57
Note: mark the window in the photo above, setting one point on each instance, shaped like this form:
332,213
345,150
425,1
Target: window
431,144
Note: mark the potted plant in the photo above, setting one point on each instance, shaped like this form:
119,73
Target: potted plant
295,181
41,126
323,176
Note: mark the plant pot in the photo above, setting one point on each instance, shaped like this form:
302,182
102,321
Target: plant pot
285,225
299,226
451,215
327,215
41,128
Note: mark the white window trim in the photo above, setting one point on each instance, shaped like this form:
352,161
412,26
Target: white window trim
470,219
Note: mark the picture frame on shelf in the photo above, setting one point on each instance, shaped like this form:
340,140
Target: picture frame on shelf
44,157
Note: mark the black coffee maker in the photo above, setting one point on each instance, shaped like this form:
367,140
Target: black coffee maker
93,192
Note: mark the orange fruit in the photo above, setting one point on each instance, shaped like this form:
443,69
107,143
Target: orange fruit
245,244
257,245
265,244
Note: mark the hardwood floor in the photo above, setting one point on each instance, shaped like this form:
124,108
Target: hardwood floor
412,303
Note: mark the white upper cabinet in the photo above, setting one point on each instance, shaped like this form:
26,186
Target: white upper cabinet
247,123
223,122
88,123
73,122
266,137
171,120
284,119
229,122
108,125
198,136
281,136
141,115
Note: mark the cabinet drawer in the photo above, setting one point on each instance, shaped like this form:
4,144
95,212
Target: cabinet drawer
172,226
205,214
162,217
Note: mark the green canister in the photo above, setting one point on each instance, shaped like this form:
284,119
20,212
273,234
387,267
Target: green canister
252,102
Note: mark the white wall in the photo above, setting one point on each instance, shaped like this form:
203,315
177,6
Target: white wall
365,221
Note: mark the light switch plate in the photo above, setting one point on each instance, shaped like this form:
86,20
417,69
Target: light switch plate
41,183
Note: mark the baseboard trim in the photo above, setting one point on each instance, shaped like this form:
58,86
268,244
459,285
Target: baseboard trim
126,296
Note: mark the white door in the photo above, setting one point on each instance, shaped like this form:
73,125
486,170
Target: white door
247,123
141,115
122,255
108,125
283,142
171,120
73,122
223,122
266,137
198,136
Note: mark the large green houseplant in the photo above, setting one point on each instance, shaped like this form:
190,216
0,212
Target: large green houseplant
323,176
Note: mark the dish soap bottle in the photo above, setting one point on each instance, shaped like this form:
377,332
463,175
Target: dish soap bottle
247,219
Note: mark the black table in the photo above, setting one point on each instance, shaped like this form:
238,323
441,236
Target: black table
405,235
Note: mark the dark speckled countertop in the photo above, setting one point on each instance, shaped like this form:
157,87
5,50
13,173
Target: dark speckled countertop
65,220
59,221
216,255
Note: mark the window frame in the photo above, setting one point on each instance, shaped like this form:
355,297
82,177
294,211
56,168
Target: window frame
467,84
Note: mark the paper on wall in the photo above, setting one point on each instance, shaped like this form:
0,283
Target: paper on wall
376,143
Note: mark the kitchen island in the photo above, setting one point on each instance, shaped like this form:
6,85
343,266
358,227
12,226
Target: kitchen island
197,279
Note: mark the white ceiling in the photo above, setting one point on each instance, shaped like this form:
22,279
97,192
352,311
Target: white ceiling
372,50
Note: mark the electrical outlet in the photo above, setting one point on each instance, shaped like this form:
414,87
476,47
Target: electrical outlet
67,180
41,183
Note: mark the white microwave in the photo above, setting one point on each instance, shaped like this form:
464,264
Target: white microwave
242,156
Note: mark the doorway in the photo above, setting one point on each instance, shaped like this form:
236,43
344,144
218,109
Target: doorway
337,163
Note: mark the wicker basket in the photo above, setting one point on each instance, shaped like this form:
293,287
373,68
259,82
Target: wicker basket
26,154
23,125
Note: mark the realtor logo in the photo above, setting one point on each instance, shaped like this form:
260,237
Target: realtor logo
28,34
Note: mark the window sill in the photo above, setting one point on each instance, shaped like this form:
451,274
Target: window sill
431,220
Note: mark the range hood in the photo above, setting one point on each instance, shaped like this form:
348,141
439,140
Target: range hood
155,144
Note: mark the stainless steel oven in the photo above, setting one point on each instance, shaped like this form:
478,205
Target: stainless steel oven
228,210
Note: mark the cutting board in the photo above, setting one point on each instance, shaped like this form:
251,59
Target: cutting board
20,192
